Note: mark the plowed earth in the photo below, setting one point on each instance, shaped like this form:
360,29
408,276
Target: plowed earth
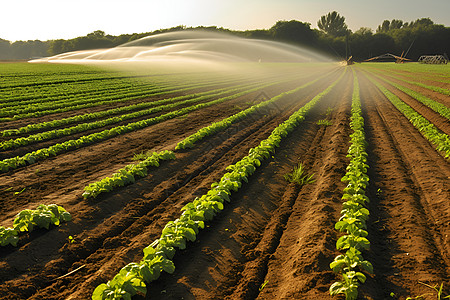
273,234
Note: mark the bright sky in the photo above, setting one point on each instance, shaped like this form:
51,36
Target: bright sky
64,19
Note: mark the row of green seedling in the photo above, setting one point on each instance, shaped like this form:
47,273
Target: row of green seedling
354,214
96,115
154,108
134,277
227,122
44,77
32,157
412,73
57,91
98,91
440,140
65,92
127,175
64,106
434,105
27,220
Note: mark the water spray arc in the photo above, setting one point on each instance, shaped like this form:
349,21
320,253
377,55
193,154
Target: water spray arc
192,46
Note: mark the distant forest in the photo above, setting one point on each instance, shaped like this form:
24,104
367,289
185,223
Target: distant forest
420,37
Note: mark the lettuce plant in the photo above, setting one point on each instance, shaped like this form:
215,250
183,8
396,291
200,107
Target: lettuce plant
27,220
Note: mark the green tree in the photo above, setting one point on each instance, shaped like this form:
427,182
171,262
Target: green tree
293,32
387,25
5,48
396,24
364,31
333,24
384,27
421,23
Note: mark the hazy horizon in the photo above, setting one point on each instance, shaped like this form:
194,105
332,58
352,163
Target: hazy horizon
51,19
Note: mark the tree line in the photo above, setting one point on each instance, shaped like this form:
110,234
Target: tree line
413,39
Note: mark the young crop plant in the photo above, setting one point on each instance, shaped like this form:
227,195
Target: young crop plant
132,279
440,140
101,114
23,141
127,175
440,108
354,214
299,176
32,157
227,122
440,90
27,220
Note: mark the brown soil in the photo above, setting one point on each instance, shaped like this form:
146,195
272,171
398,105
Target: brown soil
272,232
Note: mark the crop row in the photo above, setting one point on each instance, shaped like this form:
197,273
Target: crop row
63,106
96,115
127,174
36,97
33,157
21,81
420,84
427,129
225,123
28,219
413,70
434,105
354,213
98,89
23,141
54,92
36,75
132,278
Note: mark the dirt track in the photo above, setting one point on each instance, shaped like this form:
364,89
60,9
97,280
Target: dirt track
272,232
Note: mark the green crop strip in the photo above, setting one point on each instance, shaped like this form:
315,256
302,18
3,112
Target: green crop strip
132,278
429,87
33,157
28,219
440,140
64,106
354,212
90,116
23,141
434,105
439,74
225,123
23,96
58,95
127,174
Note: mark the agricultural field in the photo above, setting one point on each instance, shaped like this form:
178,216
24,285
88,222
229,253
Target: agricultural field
268,181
